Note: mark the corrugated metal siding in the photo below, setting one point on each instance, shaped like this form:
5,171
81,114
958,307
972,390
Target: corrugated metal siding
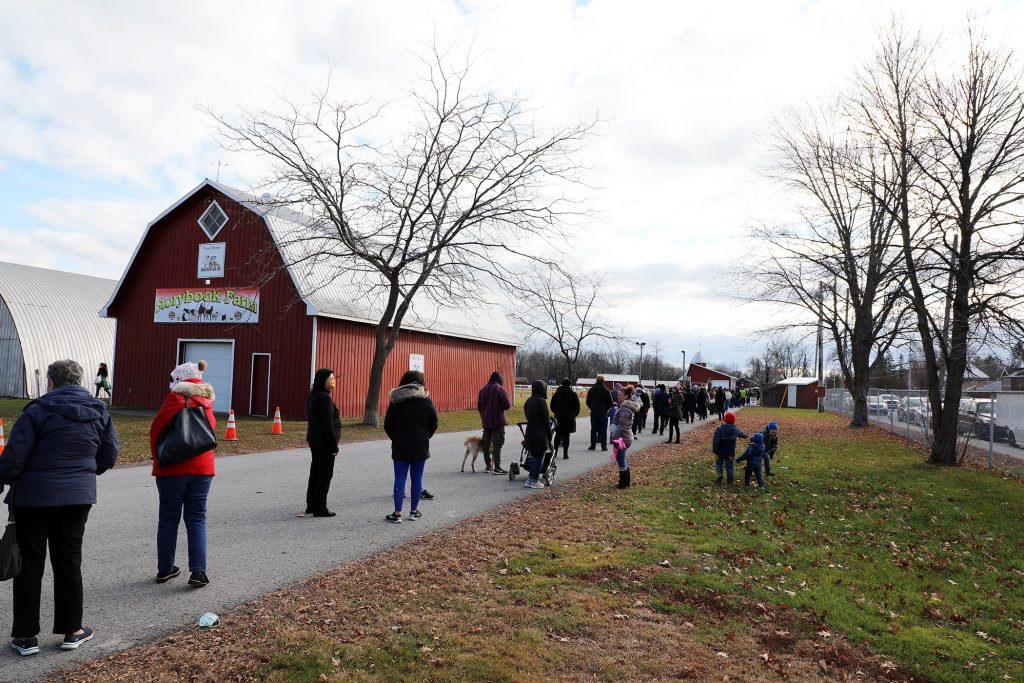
55,314
12,363
146,351
455,369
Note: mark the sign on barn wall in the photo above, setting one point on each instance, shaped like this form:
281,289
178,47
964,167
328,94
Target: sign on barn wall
207,305
211,260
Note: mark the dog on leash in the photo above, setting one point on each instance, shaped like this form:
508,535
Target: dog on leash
475,446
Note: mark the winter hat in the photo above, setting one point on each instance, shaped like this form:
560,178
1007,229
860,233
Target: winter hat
730,419
566,382
772,425
539,388
757,438
183,372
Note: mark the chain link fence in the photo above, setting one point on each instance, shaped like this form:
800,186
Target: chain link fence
908,413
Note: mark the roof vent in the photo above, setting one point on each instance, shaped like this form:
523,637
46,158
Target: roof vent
213,219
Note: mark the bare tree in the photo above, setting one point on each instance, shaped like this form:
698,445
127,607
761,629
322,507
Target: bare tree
840,263
957,140
429,213
563,310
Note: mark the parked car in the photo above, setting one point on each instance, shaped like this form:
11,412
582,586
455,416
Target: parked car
984,424
915,410
876,406
892,401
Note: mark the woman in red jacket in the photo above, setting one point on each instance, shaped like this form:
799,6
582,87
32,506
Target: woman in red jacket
184,486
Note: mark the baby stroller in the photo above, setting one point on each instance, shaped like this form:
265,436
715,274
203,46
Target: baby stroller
547,471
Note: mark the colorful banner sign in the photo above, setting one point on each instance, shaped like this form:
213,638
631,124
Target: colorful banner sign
207,305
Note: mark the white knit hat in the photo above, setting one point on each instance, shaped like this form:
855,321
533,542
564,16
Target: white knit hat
184,371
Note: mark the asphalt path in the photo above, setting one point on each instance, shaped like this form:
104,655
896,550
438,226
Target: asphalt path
256,540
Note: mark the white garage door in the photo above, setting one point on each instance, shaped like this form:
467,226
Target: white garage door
220,358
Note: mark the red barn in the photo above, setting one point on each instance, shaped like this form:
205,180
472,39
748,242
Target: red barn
214,277
701,374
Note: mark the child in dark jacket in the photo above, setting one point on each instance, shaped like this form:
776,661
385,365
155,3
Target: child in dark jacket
723,445
611,413
754,455
771,445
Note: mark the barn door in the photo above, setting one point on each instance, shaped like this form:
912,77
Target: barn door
259,391
220,356
792,395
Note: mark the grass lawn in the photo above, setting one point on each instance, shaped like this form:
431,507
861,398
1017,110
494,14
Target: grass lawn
253,432
861,563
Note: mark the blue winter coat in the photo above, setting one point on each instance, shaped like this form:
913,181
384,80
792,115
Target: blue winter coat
724,442
58,446
754,454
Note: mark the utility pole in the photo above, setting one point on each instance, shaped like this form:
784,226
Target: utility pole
821,345
640,374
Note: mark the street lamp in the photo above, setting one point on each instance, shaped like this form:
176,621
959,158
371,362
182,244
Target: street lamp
684,365
641,373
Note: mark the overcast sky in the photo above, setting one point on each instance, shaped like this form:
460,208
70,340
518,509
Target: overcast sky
101,129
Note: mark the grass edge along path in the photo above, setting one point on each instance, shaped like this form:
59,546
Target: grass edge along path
911,575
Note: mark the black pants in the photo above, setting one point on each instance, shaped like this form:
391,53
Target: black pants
673,423
321,470
598,429
692,414
562,439
660,422
63,528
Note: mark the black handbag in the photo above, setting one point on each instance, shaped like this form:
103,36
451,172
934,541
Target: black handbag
189,434
10,554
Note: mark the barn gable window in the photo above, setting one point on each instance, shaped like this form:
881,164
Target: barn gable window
213,219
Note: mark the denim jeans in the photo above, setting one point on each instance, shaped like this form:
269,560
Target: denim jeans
186,493
755,470
728,463
620,459
536,464
403,468
598,429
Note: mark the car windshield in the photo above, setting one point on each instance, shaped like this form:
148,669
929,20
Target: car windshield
984,408
916,402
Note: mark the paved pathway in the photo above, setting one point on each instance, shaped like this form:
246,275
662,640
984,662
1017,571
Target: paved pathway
256,541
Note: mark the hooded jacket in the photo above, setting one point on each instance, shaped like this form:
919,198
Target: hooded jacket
62,441
492,402
565,405
410,421
675,406
323,423
624,420
199,393
599,399
661,401
538,420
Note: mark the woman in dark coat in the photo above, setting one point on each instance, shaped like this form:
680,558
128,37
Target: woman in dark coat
675,413
720,402
410,421
702,402
565,405
323,433
538,431
689,405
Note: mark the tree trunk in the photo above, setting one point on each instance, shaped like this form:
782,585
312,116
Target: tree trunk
371,411
859,391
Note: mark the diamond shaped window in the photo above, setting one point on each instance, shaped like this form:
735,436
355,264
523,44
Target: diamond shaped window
212,220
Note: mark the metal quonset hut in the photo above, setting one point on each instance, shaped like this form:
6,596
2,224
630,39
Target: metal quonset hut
209,280
48,315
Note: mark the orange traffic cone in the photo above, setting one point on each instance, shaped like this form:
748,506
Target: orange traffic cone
231,434
2,443
277,428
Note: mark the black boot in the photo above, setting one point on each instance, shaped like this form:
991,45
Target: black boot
624,477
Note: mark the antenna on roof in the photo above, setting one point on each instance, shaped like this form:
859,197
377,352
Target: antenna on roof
219,164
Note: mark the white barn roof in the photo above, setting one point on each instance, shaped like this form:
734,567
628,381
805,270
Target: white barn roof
798,381
351,294
48,315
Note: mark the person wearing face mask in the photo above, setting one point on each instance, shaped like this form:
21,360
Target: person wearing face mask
323,434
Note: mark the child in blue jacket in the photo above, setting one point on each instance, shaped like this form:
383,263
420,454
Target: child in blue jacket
723,445
754,455
771,445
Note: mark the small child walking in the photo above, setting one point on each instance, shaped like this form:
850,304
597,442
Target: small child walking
754,455
771,445
611,414
723,445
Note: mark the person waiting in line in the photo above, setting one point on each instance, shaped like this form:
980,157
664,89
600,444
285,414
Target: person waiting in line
676,411
492,402
623,429
182,488
323,434
599,401
538,431
660,402
689,405
410,422
702,402
565,405
60,444
720,402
